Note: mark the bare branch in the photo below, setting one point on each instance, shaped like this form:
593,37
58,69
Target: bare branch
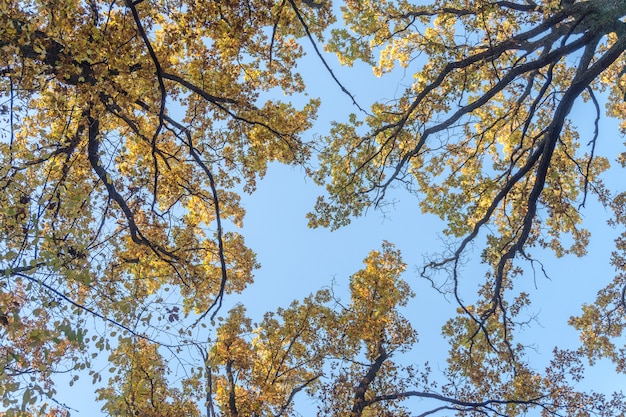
92,312
321,57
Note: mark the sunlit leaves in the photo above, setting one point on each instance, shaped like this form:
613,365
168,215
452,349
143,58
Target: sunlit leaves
372,330
259,370
139,385
131,129
602,324
484,137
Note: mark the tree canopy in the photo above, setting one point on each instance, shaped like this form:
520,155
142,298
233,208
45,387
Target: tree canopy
131,129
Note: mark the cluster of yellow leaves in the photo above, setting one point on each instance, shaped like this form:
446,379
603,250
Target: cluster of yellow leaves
139,386
133,126
376,294
130,130
485,139
602,323
469,135
257,369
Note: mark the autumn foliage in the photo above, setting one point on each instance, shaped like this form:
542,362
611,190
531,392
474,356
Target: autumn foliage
129,131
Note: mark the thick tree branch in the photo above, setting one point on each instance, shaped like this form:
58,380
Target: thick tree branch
579,84
458,12
359,402
471,404
232,398
93,148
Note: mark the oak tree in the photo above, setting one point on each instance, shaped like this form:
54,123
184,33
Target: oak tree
126,128
484,137
131,128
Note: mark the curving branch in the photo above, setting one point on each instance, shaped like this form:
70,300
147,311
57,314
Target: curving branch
293,393
536,401
187,140
162,90
579,84
458,12
305,26
93,152
67,299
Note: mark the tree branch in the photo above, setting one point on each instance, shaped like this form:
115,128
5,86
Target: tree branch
92,312
321,57
94,159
